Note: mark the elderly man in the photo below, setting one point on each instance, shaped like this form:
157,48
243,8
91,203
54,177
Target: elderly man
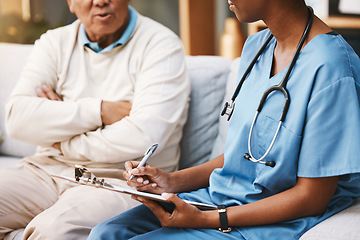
98,92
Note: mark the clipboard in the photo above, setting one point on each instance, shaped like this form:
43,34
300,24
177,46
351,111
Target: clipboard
87,178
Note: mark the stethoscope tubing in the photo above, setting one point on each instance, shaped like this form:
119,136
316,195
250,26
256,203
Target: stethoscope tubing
251,65
228,109
271,89
260,160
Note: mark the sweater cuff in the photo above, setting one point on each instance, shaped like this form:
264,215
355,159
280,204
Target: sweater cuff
90,111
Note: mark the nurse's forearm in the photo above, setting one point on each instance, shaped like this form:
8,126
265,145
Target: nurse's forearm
195,177
309,197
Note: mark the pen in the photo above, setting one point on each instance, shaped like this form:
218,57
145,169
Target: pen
147,155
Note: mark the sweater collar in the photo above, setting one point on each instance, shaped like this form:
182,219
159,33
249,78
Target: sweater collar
133,15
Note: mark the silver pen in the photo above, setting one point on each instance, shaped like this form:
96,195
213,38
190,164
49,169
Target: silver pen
147,155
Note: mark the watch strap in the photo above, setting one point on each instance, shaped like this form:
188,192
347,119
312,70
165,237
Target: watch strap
224,225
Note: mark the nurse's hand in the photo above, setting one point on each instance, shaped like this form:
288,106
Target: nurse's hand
183,216
147,178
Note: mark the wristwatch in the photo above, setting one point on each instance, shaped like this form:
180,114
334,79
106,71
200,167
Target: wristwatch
224,225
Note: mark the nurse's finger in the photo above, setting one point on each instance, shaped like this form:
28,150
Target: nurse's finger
129,165
156,208
178,202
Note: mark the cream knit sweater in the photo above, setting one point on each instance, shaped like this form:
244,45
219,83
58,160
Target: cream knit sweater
149,71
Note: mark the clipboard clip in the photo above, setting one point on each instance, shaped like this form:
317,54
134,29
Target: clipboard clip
84,176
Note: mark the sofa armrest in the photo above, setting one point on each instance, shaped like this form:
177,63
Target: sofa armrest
13,57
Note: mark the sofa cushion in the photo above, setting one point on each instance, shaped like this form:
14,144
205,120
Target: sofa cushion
341,226
12,59
223,122
208,76
8,161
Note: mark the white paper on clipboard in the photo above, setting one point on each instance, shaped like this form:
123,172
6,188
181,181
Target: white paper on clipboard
133,191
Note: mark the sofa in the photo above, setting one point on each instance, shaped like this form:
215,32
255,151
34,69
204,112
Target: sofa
213,80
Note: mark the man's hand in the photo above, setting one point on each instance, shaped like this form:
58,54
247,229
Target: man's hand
112,112
57,146
44,91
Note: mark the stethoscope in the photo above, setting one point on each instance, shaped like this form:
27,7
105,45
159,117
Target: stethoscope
229,108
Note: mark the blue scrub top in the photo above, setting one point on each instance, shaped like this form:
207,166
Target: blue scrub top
320,136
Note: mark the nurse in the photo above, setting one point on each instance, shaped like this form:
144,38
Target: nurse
316,172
